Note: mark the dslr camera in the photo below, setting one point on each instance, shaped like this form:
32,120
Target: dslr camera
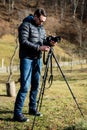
53,38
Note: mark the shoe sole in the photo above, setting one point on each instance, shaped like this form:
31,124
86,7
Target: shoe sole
20,120
35,115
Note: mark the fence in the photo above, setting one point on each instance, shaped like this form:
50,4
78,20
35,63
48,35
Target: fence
15,68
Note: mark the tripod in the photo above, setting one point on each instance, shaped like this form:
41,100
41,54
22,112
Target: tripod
49,61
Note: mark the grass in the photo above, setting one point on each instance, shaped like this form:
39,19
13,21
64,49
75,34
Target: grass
7,47
8,44
58,107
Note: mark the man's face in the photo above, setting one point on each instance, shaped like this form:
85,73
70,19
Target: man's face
40,20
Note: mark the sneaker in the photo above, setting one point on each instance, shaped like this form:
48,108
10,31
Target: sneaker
20,118
34,112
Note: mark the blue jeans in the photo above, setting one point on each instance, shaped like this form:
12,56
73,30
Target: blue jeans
30,71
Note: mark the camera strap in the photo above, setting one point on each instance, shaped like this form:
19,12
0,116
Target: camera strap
45,60
50,80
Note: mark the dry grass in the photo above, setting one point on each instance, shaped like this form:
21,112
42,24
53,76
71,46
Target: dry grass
7,47
64,50
58,107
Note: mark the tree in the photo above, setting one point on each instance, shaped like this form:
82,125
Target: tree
75,6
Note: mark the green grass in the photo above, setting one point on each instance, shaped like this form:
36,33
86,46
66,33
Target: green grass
59,109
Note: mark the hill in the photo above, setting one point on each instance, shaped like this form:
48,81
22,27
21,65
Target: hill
65,18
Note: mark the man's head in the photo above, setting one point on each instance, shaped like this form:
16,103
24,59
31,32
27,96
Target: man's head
40,16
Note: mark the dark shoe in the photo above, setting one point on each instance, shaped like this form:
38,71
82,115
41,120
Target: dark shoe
34,112
20,118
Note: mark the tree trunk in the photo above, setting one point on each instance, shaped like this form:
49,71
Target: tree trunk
10,85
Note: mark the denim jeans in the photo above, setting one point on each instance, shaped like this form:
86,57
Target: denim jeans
30,75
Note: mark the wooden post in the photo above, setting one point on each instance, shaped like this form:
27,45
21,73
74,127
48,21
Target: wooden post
11,89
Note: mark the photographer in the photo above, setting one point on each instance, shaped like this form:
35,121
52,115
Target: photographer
32,41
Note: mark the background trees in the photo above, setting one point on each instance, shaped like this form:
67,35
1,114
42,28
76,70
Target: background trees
70,16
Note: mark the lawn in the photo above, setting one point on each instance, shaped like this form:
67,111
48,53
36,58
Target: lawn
59,109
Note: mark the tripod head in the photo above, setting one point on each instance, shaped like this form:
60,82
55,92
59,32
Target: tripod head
53,38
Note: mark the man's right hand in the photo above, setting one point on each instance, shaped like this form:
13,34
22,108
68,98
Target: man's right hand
44,48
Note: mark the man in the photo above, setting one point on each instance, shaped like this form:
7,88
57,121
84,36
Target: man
32,39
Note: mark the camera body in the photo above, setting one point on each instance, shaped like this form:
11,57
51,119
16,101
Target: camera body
53,38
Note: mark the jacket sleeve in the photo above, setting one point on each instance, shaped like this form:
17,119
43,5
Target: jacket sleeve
23,33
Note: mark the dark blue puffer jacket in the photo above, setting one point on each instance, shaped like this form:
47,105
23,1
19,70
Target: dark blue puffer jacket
28,18
31,37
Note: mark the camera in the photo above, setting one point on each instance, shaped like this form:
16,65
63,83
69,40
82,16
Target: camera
53,38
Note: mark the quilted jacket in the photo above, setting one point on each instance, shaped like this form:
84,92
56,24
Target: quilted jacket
31,37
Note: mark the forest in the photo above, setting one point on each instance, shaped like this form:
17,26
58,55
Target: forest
69,16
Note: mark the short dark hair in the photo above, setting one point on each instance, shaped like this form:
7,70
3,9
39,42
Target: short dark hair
40,12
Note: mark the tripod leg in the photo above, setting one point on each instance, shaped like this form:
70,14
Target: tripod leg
39,102
67,84
44,80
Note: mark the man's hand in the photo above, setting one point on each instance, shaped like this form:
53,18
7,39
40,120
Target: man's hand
44,48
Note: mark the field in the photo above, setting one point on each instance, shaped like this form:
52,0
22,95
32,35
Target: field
59,109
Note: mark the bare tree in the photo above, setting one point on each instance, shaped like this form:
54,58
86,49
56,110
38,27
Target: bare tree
78,23
4,1
11,62
75,6
82,9
11,5
63,9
